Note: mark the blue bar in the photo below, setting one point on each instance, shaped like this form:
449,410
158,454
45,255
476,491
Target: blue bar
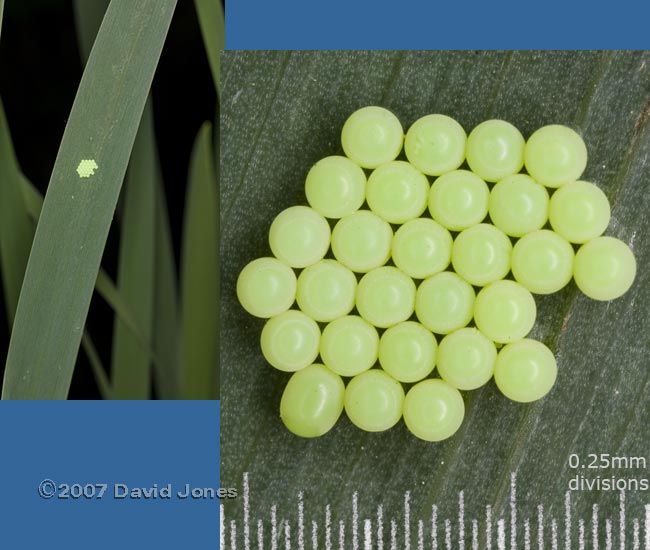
430,24
56,457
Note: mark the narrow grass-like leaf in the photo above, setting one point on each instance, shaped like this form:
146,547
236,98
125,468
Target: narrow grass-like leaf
104,285
130,371
16,228
18,192
88,15
103,383
77,212
211,20
2,8
110,293
108,290
33,199
199,274
166,325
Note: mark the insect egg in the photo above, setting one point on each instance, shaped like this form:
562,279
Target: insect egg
604,268
299,236
504,311
407,351
481,254
542,261
312,401
325,290
466,359
290,341
459,200
335,187
555,155
444,302
433,410
361,241
525,370
495,150
374,401
372,136
579,211
397,192
349,345
518,205
435,144
266,287
386,296
421,248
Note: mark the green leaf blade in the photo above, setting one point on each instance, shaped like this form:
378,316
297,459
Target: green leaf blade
22,201
104,286
199,275
16,227
99,372
2,8
130,371
211,20
166,325
77,212
88,16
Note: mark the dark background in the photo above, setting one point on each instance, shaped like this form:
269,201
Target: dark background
40,70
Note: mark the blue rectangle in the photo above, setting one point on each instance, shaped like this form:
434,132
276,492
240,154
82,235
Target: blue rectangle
84,445
421,24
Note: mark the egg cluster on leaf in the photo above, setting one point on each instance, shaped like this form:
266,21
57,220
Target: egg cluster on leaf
412,270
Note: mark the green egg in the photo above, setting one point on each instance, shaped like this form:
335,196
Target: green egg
372,136
495,150
374,401
421,248
326,290
362,241
542,261
604,268
518,205
385,296
481,254
435,144
266,287
299,236
444,302
290,341
433,410
407,351
466,359
349,345
312,401
504,311
459,200
555,155
335,187
397,192
579,211
525,371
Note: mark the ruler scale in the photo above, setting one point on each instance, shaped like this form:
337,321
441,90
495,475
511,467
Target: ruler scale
437,532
